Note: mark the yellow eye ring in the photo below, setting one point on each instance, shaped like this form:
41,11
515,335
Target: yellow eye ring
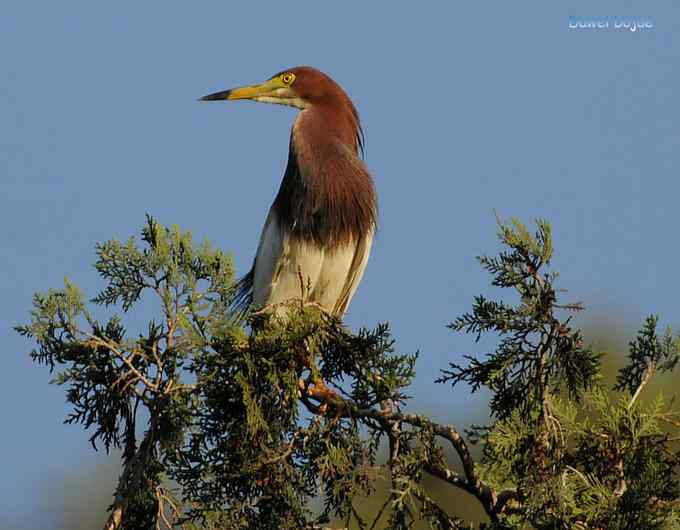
287,78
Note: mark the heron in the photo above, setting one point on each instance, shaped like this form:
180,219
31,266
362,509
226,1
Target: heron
318,233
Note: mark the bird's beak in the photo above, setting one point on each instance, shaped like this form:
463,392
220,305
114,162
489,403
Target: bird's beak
246,92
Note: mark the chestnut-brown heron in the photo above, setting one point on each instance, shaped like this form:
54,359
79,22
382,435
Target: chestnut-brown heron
318,233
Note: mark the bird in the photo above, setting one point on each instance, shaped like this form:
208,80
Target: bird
319,231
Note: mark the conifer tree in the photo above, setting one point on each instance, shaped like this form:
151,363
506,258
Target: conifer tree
221,426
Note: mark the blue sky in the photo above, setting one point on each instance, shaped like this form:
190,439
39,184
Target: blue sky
466,109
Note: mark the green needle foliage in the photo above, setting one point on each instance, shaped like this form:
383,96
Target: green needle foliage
538,354
291,422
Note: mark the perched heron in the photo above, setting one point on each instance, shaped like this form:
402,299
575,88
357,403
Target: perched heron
318,233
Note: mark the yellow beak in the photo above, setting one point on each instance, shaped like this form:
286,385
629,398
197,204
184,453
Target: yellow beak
245,92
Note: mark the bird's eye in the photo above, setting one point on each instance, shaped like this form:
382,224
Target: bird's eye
287,78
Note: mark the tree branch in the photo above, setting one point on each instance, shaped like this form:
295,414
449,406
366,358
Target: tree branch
493,503
649,372
132,476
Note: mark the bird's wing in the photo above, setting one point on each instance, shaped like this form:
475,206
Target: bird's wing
269,253
356,271
248,290
281,264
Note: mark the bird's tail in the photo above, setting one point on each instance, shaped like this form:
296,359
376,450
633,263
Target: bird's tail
242,298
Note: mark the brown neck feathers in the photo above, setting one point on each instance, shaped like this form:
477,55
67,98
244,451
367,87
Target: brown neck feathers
327,196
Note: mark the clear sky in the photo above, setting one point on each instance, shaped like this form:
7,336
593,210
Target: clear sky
466,109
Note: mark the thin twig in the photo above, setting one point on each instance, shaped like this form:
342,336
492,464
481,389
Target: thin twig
649,372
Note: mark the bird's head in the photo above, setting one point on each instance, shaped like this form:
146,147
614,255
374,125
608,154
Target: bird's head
299,87
305,87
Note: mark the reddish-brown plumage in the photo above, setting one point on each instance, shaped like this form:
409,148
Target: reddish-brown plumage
327,195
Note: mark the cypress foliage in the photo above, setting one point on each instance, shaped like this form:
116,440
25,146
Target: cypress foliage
250,428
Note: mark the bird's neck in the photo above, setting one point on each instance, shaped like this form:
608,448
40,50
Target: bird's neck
323,126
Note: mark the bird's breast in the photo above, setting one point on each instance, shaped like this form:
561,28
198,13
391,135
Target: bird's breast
327,195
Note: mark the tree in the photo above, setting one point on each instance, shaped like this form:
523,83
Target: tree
221,426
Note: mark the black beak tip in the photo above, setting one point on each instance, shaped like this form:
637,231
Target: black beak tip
216,96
